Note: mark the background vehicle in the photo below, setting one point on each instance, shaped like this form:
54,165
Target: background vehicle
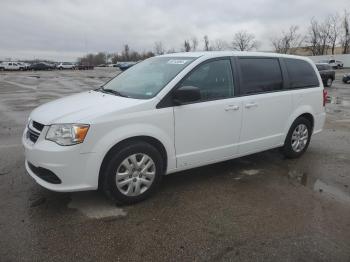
40,66
346,78
333,63
84,66
66,65
327,74
23,66
9,66
172,113
126,65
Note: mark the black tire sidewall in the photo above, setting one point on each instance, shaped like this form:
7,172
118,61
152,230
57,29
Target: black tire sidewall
109,185
287,148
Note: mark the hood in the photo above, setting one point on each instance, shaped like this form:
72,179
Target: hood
80,107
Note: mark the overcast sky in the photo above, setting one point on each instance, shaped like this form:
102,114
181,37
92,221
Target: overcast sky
64,30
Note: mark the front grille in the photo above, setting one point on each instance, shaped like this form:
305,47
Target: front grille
38,126
34,130
32,135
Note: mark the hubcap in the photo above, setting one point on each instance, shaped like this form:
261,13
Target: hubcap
135,174
300,137
329,82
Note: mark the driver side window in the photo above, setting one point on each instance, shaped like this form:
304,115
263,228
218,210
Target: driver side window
214,80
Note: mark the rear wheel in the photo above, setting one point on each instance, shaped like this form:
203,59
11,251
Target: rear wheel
132,173
298,138
329,82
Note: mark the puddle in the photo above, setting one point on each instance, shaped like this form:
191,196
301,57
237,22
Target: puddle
337,101
251,172
247,172
94,205
331,191
298,176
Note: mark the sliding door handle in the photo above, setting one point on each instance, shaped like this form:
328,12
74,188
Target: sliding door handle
232,107
250,105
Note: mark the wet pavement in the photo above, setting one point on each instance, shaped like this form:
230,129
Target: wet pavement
256,208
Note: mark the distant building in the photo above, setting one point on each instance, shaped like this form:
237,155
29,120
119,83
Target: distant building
305,51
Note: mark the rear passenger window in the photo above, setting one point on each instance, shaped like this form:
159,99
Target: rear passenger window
301,74
260,75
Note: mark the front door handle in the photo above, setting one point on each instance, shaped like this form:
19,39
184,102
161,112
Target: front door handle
232,107
250,105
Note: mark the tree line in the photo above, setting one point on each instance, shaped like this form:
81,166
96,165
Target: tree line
321,36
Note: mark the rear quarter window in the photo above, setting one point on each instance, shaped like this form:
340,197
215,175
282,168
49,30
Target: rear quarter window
301,74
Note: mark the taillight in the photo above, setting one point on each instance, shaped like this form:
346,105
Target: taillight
324,97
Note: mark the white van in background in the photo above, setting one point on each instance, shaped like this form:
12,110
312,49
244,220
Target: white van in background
170,113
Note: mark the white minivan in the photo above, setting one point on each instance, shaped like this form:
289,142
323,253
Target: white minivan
170,113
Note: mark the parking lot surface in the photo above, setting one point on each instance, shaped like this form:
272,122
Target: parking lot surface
257,208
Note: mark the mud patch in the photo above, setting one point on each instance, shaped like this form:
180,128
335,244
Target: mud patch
94,205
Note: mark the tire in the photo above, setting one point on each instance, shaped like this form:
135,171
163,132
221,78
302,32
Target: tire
127,189
329,82
297,133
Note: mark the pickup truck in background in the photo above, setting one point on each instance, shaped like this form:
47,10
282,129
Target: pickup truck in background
9,66
333,63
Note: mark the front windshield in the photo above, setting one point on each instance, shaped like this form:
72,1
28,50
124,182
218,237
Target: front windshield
145,79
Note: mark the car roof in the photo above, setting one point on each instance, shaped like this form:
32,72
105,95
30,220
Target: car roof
213,54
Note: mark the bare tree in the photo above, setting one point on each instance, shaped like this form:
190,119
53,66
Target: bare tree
313,37
171,50
158,48
194,43
319,36
220,45
187,46
334,31
243,41
325,30
345,41
125,52
206,43
288,42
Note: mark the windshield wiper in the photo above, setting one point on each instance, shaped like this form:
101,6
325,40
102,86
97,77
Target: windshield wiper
110,91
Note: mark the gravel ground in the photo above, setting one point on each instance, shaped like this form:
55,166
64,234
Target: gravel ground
257,208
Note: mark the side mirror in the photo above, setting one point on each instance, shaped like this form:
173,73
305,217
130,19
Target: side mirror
186,94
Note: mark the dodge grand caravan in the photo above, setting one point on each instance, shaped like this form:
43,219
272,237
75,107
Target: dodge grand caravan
170,113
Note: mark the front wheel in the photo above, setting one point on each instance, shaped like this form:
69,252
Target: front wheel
132,173
298,138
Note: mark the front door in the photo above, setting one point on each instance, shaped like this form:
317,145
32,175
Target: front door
208,130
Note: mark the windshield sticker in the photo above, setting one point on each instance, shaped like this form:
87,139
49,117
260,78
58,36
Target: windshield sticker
177,62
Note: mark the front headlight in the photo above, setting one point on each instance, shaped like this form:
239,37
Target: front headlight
67,134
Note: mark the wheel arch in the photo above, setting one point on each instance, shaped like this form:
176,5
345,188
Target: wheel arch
309,117
305,111
148,139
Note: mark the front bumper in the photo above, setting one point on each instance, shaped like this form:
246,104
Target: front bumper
76,171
